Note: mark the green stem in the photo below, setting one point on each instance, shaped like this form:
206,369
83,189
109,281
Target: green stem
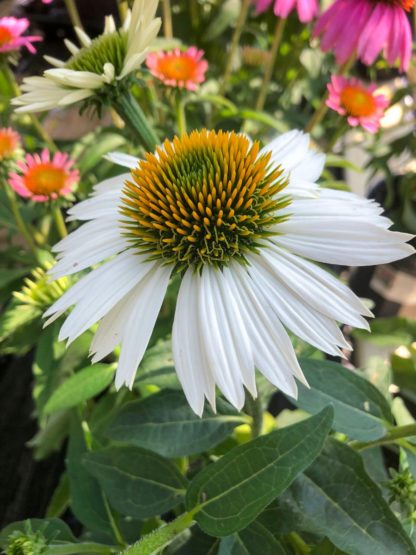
181,116
73,548
60,222
234,44
340,130
18,218
153,543
114,526
133,115
254,408
73,13
297,542
268,72
398,433
322,109
123,6
167,19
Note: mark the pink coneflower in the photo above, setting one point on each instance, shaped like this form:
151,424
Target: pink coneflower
177,68
307,9
11,31
9,142
367,27
44,178
358,102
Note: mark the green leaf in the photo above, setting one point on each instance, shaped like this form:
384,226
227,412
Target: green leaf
94,152
138,483
157,367
60,499
86,496
80,387
8,276
336,498
359,408
327,548
232,492
253,540
166,424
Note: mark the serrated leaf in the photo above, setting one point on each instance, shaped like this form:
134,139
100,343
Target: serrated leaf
80,387
229,494
359,408
166,424
138,483
335,497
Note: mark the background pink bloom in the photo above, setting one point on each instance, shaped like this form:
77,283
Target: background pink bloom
177,68
307,9
9,142
44,178
11,31
353,99
367,27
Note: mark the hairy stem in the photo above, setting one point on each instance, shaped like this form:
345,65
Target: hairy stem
394,435
254,408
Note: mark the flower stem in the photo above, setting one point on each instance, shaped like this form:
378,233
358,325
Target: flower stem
73,13
60,222
153,543
268,72
340,130
18,218
167,19
297,542
132,114
180,116
254,408
234,44
322,109
123,6
72,549
114,526
398,433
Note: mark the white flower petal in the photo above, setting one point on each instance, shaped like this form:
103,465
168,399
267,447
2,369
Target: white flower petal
83,38
139,325
122,159
103,205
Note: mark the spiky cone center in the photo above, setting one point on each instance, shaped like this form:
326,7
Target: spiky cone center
45,179
405,4
6,36
357,101
108,48
204,198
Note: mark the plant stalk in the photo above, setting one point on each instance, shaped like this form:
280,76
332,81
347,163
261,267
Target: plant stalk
153,543
130,111
268,72
255,409
73,548
73,13
167,19
234,44
181,116
60,222
19,219
398,433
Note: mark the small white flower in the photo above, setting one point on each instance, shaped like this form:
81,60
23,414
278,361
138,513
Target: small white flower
239,224
105,60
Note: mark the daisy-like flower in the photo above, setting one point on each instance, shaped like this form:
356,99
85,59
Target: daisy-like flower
239,224
11,35
367,27
9,142
358,102
183,69
43,177
306,9
98,67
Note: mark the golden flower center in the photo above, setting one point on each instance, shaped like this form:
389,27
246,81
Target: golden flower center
5,36
357,101
7,145
45,178
178,68
405,4
204,198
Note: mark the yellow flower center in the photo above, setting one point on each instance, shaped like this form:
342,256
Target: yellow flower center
357,101
7,145
45,179
5,36
204,198
178,68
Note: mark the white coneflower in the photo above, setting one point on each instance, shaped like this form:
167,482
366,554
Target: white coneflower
97,65
238,223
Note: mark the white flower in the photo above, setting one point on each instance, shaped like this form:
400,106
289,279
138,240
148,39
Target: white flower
240,225
105,60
